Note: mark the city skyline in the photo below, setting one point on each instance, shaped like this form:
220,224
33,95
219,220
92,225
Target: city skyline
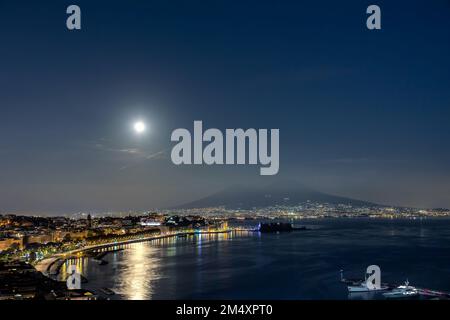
224,158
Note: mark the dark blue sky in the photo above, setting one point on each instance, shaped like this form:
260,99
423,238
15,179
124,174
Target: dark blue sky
361,113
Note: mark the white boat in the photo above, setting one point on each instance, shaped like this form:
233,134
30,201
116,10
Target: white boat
362,287
405,291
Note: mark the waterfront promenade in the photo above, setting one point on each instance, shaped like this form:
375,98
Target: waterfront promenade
50,266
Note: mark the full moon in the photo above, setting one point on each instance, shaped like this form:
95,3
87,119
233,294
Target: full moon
139,127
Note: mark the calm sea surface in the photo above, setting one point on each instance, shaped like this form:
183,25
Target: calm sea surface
296,265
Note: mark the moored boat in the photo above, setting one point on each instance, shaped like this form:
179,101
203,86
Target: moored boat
362,287
404,291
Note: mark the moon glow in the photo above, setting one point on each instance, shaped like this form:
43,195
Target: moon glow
139,127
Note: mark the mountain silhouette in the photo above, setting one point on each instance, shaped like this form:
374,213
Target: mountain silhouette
281,193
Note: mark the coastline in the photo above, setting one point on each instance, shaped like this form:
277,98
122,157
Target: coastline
50,266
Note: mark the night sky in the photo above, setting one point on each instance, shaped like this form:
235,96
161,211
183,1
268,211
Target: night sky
361,113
